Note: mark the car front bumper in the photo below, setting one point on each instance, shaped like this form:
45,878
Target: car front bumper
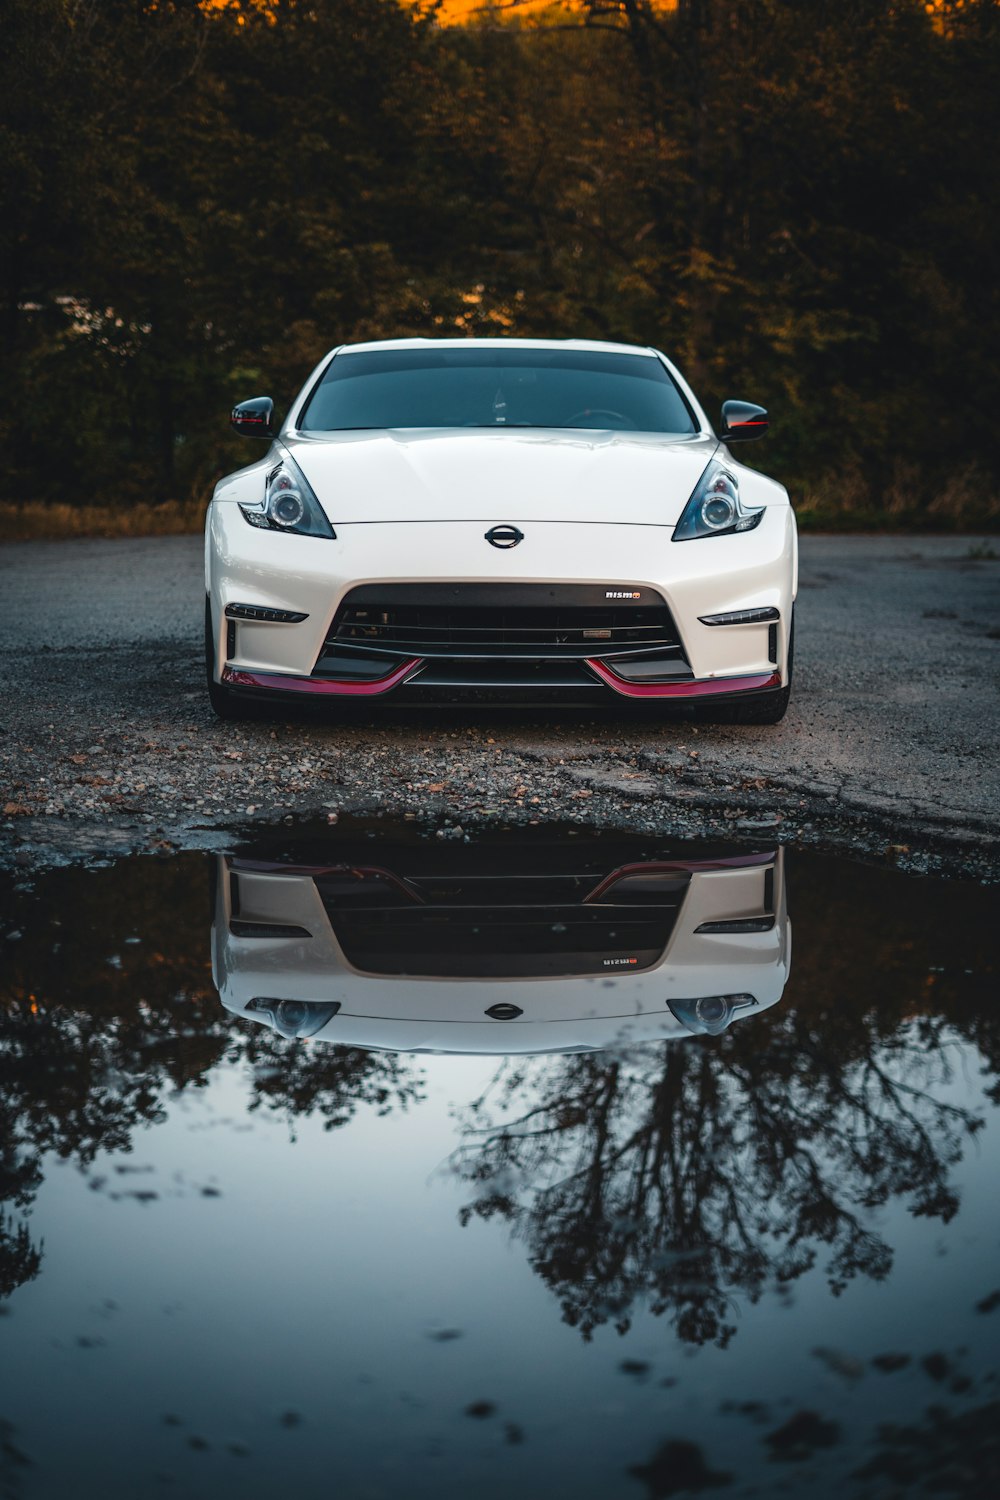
310,578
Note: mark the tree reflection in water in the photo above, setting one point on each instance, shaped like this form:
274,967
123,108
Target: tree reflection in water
98,1030
683,1174
694,1171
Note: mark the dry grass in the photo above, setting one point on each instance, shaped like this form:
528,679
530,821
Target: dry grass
38,522
901,499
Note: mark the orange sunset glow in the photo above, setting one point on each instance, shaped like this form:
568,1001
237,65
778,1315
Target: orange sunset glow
461,12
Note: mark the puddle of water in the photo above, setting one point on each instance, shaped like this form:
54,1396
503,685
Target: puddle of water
424,1166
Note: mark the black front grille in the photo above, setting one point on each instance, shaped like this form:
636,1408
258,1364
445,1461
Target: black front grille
476,622
501,927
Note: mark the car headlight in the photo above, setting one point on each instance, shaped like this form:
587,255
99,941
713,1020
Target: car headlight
289,503
294,1018
715,507
710,1013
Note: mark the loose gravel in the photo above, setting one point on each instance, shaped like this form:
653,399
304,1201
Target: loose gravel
107,743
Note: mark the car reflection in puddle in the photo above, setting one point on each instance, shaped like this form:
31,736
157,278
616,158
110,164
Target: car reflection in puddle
423,954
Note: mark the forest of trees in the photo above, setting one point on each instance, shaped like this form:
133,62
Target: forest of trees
795,199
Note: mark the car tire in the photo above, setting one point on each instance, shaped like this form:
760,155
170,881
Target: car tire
763,708
223,700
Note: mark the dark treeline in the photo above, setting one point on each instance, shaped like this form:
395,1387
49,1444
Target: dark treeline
794,198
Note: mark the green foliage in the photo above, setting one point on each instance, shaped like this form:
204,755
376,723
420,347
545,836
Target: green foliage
794,200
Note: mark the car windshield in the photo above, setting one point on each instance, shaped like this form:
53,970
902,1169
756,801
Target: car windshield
489,387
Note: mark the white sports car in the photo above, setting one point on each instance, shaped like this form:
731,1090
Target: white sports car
526,517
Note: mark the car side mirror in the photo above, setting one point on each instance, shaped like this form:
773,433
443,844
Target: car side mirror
742,421
254,418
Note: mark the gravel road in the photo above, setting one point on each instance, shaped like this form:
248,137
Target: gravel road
107,741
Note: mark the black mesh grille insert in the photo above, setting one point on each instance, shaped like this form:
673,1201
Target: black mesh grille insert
499,928
474,621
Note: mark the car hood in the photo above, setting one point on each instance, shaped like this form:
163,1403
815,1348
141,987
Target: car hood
496,476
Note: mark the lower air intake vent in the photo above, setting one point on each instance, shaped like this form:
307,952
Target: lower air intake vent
242,929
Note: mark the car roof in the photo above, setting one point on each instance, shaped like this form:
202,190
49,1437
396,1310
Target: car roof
595,345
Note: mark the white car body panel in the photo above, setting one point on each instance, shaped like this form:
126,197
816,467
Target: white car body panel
742,571
545,474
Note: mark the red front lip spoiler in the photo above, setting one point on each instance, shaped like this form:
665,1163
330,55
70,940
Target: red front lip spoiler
702,687
328,687
692,866
276,682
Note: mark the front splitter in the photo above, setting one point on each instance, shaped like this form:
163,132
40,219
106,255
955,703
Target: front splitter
703,687
700,687
273,682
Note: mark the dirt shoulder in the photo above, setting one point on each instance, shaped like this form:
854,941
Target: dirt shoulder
889,748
